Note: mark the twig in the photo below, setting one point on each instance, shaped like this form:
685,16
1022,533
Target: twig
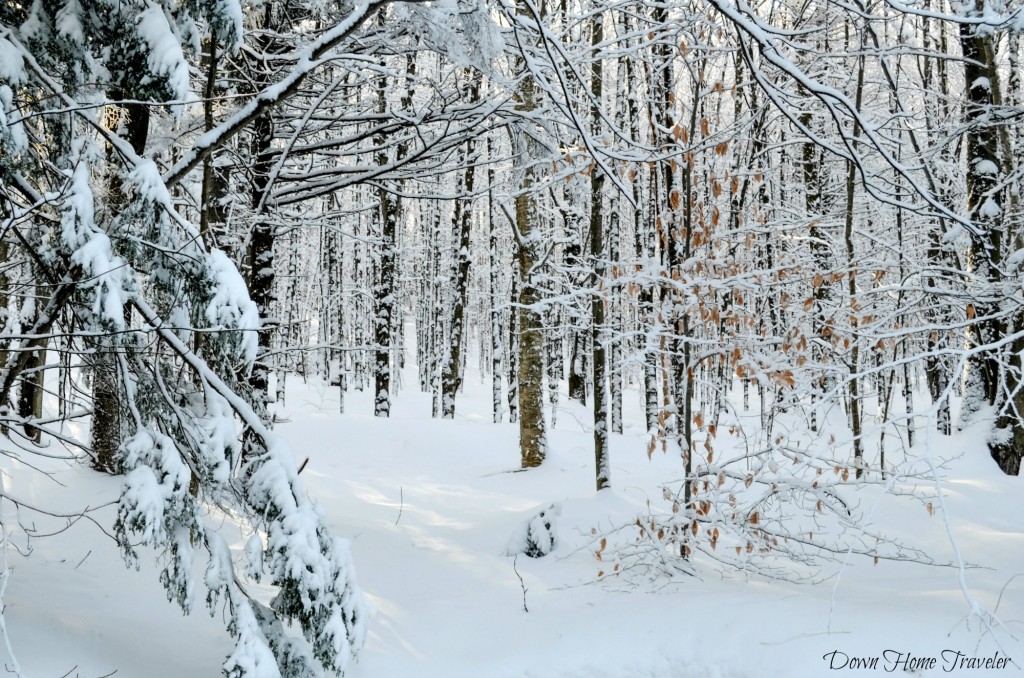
1003,590
83,559
522,584
401,503
302,466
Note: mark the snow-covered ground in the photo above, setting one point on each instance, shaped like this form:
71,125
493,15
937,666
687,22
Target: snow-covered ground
430,508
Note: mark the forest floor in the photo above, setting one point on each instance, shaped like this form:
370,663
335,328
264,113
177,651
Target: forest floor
431,506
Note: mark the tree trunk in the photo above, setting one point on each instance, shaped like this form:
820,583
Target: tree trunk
260,257
495,312
597,311
854,365
212,211
513,348
462,222
107,389
532,436
384,287
987,376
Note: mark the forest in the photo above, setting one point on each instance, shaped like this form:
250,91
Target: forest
761,258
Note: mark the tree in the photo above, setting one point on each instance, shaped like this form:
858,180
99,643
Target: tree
462,220
602,463
994,373
530,376
128,266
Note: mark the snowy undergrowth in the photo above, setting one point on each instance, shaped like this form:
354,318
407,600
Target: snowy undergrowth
430,507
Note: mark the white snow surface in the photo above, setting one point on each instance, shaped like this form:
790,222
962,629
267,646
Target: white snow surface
429,507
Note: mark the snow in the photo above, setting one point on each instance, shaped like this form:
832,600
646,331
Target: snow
12,65
252,657
430,508
226,22
231,308
981,83
12,130
146,176
537,536
68,22
464,31
34,27
163,56
989,208
91,248
986,167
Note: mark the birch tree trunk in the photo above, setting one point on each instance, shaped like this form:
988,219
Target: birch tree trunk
493,280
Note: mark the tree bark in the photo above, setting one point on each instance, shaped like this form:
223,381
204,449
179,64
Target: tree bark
532,435
495,313
107,388
987,376
597,262
462,222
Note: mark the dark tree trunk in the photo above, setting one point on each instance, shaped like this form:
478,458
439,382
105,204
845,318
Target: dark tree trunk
513,348
106,417
988,376
384,289
602,462
462,222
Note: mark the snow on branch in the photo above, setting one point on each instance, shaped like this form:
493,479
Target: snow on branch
312,570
